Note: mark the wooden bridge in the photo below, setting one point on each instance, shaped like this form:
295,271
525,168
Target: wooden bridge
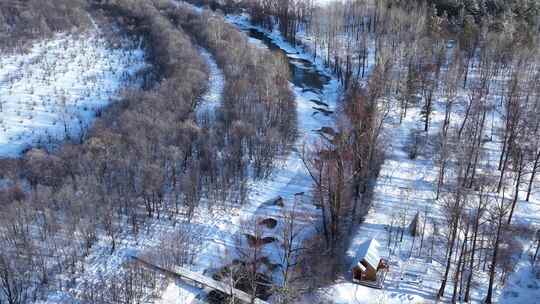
199,279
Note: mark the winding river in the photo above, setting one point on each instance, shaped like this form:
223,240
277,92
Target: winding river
316,93
304,73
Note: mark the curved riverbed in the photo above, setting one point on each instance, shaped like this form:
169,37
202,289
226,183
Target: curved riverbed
304,74
316,94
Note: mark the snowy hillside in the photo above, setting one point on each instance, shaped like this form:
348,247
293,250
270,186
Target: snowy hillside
56,90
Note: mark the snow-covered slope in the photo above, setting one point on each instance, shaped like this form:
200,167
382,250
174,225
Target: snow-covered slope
56,89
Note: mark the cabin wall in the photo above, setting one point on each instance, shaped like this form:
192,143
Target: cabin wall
370,274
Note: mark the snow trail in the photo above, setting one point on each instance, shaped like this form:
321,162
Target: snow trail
214,94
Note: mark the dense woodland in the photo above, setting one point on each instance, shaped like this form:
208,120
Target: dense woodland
24,20
147,157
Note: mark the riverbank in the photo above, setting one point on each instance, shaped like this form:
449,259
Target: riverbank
314,89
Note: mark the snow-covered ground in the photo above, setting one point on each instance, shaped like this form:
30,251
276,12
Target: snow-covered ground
216,82
404,185
522,286
56,89
408,186
174,294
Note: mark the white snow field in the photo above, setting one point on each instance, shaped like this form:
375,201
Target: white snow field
54,91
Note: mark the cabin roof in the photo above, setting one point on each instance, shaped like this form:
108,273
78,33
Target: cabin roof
369,251
361,267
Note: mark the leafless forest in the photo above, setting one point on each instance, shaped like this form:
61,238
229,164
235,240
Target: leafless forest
466,73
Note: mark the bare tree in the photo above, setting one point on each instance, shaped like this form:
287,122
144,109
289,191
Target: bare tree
453,209
292,249
498,212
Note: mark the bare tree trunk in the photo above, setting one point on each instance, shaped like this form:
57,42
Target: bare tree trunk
516,189
494,263
440,294
503,169
533,174
423,232
503,151
478,146
460,264
473,251
537,249
467,113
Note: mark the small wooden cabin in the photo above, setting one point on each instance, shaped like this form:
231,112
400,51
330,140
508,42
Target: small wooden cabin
369,262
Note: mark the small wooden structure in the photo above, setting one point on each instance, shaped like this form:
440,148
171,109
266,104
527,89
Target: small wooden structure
413,227
370,269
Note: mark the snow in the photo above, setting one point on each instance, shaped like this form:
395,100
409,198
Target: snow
216,82
102,267
522,287
55,91
403,184
287,181
369,251
406,186
352,293
178,293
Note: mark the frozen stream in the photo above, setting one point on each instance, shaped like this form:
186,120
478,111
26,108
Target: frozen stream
316,94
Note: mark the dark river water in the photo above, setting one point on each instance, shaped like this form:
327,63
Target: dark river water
303,72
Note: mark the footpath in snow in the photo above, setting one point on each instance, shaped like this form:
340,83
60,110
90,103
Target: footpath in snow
214,94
